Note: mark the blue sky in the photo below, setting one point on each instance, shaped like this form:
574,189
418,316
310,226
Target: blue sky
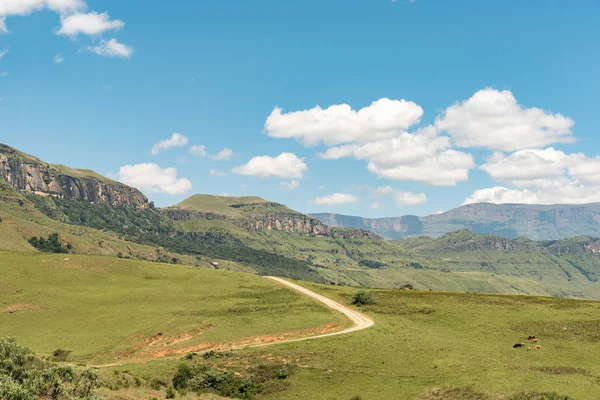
500,98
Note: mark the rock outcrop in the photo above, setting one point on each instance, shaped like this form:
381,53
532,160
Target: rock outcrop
177,214
28,174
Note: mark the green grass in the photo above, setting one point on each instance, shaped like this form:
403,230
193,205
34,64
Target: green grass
423,340
101,308
217,204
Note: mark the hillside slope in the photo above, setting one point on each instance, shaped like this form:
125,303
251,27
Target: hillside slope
537,222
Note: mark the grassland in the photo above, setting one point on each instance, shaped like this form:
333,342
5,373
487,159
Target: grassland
426,339
217,204
107,310
101,308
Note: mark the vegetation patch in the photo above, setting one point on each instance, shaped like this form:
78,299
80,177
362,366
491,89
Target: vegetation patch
202,378
23,376
51,245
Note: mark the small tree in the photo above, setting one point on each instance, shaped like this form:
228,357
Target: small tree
362,298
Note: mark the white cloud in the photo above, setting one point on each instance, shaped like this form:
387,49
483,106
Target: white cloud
58,59
375,205
110,48
405,148
291,185
3,52
215,172
285,165
3,27
494,120
499,194
198,151
444,169
539,176
223,155
382,191
176,140
154,179
341,124
528,164
91,24
422,156
409,198
322,187
337,199
26,7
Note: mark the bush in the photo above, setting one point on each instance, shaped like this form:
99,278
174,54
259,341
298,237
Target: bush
362,298
23,376
170,393
200,378
51,245
61,355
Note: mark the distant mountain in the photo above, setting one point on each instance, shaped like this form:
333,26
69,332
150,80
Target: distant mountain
537,222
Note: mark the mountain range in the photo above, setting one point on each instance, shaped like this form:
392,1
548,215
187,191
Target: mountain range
91,214
537,222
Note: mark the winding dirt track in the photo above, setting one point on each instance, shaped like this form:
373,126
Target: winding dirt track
360,321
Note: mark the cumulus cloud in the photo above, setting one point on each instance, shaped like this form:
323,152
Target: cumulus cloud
176,140
285,165
151,178
409,198
291,185
110,48
541,176
341,124
58,59
444,169
198,151
494,120
90,24
375,205
337,199
223,155
422,156
528,165
26,7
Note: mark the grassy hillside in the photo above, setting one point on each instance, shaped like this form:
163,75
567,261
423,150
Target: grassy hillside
424,340
102,308
228,205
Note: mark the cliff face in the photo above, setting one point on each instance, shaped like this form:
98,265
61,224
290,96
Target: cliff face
297,223
28,174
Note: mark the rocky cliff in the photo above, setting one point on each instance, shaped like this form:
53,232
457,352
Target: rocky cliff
28,174
297,223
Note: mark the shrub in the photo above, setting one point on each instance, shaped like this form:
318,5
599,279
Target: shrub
23,376
170,393
51,245
362,298
61,355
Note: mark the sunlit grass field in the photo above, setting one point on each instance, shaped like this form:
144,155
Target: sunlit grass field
107,310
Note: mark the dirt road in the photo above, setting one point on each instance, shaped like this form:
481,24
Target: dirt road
360,321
